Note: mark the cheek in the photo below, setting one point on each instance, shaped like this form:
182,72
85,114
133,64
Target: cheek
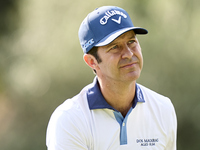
109,64
141,63
140,57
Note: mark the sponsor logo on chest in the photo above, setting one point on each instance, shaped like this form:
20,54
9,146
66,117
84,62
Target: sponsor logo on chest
147,142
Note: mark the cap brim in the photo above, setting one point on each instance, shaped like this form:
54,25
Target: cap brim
111,37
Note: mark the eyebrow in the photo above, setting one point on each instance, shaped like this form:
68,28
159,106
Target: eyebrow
134,36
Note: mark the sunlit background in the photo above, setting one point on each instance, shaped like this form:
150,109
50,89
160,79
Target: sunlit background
41,62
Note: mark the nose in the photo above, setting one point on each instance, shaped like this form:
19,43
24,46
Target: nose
127,52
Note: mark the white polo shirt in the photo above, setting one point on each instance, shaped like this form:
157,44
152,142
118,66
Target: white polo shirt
88,122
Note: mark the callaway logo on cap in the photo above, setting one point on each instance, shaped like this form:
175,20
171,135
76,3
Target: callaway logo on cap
104,25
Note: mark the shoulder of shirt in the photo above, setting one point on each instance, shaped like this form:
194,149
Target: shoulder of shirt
73,116
152,96
76,106
161,106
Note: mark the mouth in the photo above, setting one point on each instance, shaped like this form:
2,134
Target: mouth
129,65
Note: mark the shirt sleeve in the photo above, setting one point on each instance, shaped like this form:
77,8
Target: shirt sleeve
65,132
172,138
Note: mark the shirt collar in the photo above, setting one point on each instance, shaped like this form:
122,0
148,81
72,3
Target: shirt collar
97,101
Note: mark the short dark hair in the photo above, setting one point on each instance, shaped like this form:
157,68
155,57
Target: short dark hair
94,52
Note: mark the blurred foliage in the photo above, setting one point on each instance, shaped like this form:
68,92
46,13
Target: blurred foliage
41,62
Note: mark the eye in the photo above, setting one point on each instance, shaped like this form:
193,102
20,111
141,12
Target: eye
131,41
114,47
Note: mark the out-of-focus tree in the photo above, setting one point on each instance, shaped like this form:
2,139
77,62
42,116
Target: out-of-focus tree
9,22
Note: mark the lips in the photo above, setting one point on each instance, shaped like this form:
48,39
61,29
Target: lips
129,65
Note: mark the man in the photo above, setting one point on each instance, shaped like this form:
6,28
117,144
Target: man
114,112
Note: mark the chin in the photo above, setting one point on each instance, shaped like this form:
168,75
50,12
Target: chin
133,76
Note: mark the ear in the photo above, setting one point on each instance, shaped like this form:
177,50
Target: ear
90,61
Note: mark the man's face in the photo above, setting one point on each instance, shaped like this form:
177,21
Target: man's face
121,59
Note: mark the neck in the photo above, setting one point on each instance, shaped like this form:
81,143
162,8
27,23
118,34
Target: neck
118,94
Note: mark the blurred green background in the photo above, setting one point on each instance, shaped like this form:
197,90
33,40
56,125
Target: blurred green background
41,62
